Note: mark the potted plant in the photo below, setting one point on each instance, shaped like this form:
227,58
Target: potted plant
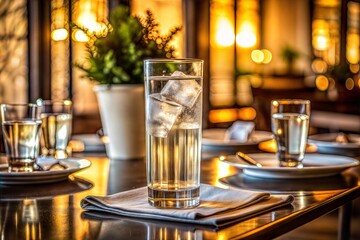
115,62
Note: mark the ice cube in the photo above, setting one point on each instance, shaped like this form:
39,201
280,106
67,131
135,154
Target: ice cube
190,118
161,116
183,92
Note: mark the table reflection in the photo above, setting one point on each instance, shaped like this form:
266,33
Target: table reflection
39,191
304,186
133,228
24,221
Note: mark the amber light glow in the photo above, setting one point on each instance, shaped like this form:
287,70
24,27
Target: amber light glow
222,170
247,113
224,35
352,48
79,36
222,38
261,56
91,15
168,14
59,34
247,18
322,82
223,115
257,56
319,66
246,37
321,35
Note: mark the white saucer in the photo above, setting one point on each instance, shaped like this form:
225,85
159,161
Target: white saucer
326,143
72,165
328,140
315,165
216,137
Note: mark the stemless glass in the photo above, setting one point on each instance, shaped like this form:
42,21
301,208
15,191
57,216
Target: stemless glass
56,127
20,127
290,125
173,93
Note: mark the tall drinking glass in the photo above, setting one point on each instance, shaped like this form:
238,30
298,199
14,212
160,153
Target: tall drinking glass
20,127
290,125
56,128
173,93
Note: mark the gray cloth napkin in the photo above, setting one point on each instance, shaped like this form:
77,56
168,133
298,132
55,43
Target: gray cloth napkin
218,207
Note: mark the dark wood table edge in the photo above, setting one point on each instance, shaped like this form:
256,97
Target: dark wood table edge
291,222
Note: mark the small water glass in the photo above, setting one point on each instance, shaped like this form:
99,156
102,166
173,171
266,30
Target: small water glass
290,125
21,127
56,127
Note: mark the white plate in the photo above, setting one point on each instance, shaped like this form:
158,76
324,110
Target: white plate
72,165
216,137
328,140
326,143
315,165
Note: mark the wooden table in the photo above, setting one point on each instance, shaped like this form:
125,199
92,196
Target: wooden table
52,211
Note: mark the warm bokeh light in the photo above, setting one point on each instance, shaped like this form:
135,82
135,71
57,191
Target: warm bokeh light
59,34
91,16
261,56
246,39
79,36
223,115
322,83
349,84
320,35
354,68
319,66
221,53
321,40
352,48
275,103
267,56
247,113
257,56
328,3
224,35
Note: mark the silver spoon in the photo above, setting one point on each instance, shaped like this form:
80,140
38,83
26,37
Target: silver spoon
246,158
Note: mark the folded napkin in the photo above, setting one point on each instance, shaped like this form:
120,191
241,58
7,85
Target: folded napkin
218,207
49,163
240,131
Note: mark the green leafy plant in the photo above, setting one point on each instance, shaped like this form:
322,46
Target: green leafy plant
289,55
116,55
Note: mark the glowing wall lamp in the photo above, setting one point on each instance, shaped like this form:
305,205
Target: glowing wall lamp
222,38
246,34
224,32
247,23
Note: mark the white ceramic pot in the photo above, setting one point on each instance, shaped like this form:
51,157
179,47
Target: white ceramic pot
122,111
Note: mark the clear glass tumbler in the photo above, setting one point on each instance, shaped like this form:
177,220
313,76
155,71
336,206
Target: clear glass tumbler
56,127
290,125
21,126
173,93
